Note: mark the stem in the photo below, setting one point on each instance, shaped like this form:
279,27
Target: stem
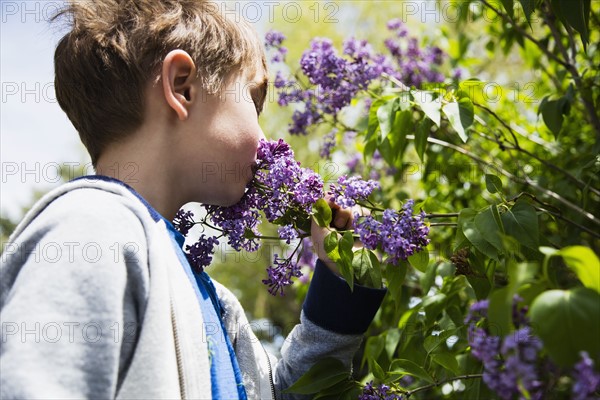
525,181
504,124
441,215
409,393
443,224
395,81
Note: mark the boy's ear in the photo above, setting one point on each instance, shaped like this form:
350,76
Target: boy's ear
178,75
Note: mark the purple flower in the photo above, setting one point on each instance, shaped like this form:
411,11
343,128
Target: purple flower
183,221
283,191
358,48
510,363
351,190
287,233
329,143
368,229
288,91
381,392
273,40
586,380
399,235
280,274
396,25
200,253
354,163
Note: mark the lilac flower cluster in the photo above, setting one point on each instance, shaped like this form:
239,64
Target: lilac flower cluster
183,221
381,392
328,144
285,193
415,66
510,364
280,274
282,184
586,381
200,253
336,79
398,234
273,40
350,191
239,223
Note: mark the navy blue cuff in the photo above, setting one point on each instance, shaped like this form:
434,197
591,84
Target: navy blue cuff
331,305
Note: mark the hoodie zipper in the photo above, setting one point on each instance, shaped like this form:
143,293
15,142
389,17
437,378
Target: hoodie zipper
178,353
270,374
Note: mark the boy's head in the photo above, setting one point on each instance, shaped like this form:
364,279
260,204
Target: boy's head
117,47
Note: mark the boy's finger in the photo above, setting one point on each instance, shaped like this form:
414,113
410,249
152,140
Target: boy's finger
342,218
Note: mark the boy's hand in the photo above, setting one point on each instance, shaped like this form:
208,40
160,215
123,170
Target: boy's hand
342,219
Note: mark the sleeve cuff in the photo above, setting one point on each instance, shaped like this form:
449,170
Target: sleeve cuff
331,305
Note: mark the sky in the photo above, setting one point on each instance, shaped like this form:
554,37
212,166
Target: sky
35,135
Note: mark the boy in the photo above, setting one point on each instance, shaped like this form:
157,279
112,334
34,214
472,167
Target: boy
96,296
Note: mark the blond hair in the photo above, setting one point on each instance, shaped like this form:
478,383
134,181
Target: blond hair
115,47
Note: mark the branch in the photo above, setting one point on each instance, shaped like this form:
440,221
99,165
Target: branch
409,393
528,182
442,215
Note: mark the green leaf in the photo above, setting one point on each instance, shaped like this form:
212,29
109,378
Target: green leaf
446,360
509,7
431,105
421,135
477,239
521,222
552,112
429,277
378,372
488,228
434,305
331,246
361,264
461,115
576,14
346,255
528,8
403,125
408,367
395,278
584,262
493,184
373,348
500,312
324,374
322,212
391,341
339,391
420,260
386,115
567,321
375,271
433,342
373,120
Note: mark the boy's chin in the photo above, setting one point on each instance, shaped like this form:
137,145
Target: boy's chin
228,199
